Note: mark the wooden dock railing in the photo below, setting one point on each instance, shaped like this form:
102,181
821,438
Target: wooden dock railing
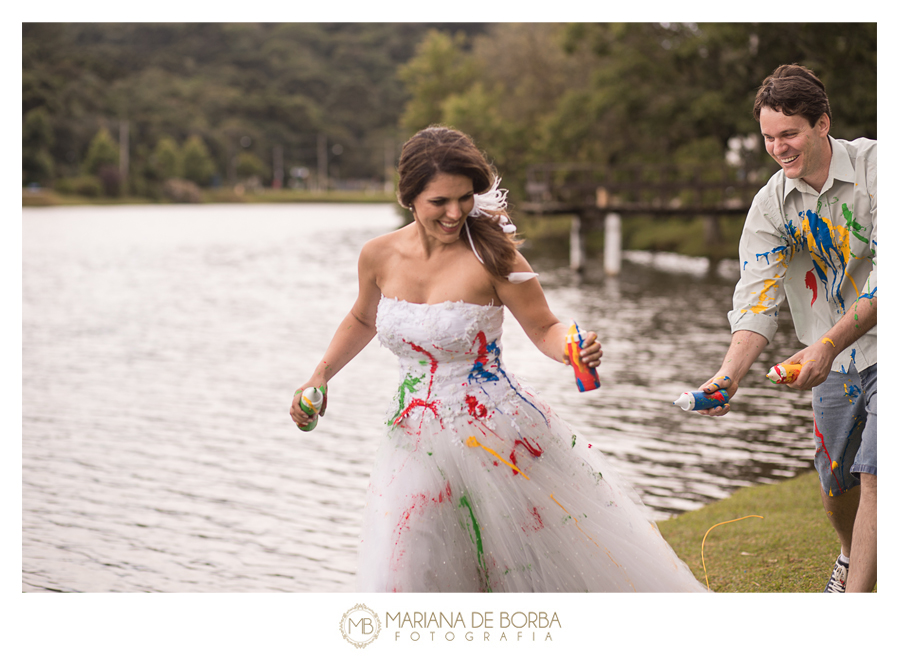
589,192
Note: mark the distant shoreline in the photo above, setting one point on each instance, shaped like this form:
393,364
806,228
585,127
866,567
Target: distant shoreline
46,197
675,235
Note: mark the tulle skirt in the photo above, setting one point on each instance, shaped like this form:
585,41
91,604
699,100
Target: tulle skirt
493,492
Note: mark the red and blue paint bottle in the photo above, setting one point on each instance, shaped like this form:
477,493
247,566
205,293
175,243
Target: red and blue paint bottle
585,377
697,400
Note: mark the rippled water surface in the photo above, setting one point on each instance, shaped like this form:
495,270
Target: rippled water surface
162,345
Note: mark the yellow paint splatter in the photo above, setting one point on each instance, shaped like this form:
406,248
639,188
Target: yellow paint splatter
703,543
828,340
472,442
764,296
578,525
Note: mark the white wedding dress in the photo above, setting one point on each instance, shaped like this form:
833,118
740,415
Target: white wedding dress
480,487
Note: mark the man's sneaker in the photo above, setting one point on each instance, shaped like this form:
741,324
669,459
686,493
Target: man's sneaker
838,582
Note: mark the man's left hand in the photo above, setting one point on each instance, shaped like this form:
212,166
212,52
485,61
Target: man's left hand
816,361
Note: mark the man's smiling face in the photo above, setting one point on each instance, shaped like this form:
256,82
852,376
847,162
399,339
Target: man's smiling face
802,150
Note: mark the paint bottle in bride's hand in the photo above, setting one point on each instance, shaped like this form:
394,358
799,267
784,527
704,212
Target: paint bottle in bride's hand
585,377
311,403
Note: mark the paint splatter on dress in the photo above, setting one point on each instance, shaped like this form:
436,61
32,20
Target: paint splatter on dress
480,487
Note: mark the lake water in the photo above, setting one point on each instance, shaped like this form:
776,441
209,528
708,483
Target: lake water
161,346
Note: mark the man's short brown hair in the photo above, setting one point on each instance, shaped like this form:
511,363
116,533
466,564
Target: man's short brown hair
793,89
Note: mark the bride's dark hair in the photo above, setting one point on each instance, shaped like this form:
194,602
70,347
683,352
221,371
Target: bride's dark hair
440,150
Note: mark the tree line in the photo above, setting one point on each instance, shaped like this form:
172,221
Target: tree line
306,103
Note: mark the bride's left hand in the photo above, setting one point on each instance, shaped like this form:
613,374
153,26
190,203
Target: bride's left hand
590,353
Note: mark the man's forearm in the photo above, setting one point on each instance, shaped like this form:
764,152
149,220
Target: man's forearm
746,346
861,317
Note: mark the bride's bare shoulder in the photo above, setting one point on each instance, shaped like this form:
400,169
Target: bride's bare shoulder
386,243
383,248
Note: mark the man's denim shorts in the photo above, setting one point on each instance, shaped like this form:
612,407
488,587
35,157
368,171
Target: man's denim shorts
846,414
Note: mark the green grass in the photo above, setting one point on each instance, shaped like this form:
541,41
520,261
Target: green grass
228,195
46,197
791,549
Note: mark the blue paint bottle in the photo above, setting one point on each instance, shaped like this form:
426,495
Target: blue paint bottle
697,400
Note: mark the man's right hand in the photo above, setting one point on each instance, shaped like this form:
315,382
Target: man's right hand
719,383
745,347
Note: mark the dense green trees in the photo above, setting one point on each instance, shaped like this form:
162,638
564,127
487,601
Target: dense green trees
630,94
243,89
212,103
166,160
102,152
196,163
37,140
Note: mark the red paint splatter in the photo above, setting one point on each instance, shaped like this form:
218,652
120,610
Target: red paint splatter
476,410
419,402
419,501
821,448
811,284
535,450
422,350
482,349
446,490
537,523
403,526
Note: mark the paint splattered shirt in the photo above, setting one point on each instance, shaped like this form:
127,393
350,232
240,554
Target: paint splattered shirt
817,250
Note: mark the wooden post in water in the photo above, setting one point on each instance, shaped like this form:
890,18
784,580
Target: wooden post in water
612,244
713,240
576,244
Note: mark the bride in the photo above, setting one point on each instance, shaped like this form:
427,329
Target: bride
478,485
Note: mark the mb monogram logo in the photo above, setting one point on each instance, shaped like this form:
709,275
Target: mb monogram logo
360,626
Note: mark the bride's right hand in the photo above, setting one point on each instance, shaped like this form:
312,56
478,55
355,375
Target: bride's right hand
300,418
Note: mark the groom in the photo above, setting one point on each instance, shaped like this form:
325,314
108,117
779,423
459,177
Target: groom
810,238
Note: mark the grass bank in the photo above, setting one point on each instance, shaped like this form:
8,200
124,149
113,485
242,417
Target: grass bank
46,197
791,549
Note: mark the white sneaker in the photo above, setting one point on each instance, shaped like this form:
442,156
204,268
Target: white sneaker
838,581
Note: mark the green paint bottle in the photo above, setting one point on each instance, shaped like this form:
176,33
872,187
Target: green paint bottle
311,403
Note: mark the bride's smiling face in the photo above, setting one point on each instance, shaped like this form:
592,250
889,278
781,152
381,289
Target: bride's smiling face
442,207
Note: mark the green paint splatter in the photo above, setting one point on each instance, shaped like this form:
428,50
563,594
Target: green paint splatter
573,440
854,226
475,536
409,385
